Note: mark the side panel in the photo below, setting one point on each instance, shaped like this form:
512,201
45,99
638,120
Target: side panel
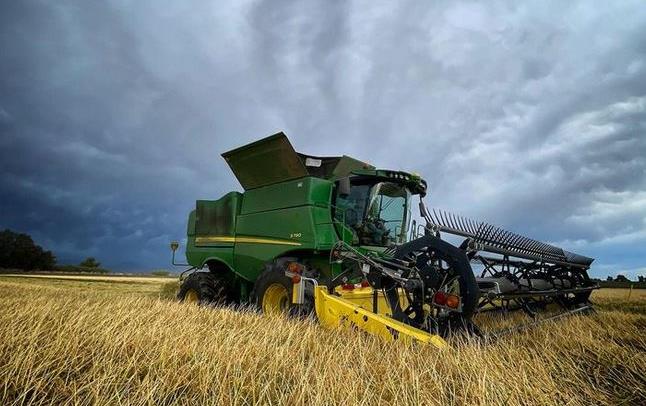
278,219
264,236
307,191
198,255
217,217
273,221
211,230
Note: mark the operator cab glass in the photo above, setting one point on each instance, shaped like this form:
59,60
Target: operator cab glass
377,213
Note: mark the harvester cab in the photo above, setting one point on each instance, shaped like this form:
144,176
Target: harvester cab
374,206
334,237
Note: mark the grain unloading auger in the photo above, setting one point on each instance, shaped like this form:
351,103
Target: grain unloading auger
332,236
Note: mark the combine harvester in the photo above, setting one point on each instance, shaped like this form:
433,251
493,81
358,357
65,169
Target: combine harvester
334,236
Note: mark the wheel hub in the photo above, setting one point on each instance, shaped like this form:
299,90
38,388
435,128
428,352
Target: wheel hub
275,300
191,297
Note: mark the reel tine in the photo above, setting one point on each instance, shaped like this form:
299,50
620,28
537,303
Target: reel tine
456,225
503,241
528,245
486,230
509,237
537,247
502,237
459,220
464,224
495,234
531,245
437,222
446,220
442,222
489,231
449,220
469,224
516,240
475,226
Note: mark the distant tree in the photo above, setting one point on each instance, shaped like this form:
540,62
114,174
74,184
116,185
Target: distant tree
609,278
88,265
621,278
641,278
18,251
90,262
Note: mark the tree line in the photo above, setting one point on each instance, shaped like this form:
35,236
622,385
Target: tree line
623,278
19,251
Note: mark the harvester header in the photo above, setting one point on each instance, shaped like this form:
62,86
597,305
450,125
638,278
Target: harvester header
334,237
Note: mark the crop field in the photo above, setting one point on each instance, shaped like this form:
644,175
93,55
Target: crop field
99,340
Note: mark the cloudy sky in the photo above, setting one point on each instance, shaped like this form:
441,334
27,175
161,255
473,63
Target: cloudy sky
113,114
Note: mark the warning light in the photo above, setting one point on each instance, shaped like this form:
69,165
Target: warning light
453,301
440,298
294,267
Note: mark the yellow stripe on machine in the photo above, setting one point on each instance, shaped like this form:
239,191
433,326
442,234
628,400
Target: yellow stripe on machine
215,239
334,311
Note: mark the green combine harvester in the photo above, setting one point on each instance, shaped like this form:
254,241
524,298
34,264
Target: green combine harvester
334,237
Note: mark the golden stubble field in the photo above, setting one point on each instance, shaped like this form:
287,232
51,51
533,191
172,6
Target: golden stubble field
103,341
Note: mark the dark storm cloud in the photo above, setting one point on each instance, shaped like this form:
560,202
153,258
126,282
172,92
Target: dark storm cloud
113,114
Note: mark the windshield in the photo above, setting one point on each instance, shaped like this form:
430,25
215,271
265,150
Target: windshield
377,213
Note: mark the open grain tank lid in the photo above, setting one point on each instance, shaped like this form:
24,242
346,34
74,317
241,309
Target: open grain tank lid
266,161
273,160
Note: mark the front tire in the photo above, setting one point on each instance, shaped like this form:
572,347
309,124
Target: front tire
273,291
203,288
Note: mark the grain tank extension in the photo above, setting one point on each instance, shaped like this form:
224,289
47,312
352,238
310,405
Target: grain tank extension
334,237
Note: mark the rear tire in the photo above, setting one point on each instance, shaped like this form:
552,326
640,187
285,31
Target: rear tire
203,288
